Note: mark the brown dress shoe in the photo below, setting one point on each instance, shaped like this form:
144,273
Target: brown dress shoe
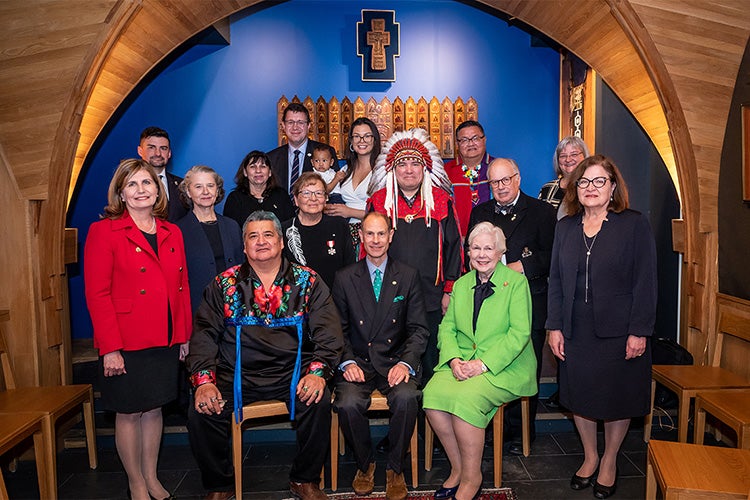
395,486
220,495
364,482
307,491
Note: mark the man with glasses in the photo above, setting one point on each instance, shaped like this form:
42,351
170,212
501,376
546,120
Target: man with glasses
468,171
529,228
294,157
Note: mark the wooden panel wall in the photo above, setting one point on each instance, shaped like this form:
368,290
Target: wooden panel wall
65,65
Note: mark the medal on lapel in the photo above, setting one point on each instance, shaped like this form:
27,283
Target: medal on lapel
331,249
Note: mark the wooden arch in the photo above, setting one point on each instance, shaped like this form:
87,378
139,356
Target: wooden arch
68,65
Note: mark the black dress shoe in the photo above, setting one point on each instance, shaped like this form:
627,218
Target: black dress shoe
601,491
443,493
383,445
581,483
475,497
515,448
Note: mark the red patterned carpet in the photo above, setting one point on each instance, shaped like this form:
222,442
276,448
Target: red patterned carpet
487,494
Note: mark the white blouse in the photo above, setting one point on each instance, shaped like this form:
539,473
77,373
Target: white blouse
354,198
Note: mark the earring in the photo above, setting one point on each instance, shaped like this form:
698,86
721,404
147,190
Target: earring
351,148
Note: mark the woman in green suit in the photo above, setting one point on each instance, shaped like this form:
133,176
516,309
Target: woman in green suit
486,356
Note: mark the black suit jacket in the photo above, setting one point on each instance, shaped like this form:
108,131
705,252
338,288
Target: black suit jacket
529,234
199,255
175,208
622,274
377,335
280,162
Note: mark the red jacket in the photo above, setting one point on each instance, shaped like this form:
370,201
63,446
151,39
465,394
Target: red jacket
128,287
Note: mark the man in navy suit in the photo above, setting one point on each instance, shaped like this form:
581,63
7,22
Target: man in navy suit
385,333
529,228
294,157
154,148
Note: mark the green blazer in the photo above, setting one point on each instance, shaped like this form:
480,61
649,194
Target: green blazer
502,339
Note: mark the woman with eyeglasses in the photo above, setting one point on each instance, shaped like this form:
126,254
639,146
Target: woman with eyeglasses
312,238
364,148
601,313
568,154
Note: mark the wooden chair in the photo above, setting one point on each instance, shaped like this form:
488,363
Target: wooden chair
693,471
497,439
253,411
377,402
686,380
53,402
729,406
14,428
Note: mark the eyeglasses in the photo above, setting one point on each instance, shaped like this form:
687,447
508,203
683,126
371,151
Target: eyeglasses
362,138
572,156
466,140
598,182
504,181
298,123
310,194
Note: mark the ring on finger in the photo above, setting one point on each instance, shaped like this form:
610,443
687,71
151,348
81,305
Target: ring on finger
202,404
317,392
305,388
213,399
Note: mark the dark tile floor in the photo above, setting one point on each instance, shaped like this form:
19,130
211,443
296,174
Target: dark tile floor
545,474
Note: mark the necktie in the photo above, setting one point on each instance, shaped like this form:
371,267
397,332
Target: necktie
295,169
164,185
377,283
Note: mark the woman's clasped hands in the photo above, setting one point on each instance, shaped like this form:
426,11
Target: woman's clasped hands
464,370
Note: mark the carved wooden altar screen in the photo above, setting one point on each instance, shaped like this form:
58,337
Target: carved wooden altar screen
332,119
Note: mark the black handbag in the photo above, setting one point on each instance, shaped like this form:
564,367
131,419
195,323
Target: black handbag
665,351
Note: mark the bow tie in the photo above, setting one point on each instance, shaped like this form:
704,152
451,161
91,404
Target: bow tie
505,209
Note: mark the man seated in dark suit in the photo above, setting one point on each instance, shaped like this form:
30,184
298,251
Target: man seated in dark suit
154,147
385,333
529,228
294,157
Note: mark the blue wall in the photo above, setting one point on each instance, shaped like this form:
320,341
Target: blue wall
219,102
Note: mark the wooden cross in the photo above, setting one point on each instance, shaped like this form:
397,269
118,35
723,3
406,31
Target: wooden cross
378,39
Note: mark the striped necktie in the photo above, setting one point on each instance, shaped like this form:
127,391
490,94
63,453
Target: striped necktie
295,169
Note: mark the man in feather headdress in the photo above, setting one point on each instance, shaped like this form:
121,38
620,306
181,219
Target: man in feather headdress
409,184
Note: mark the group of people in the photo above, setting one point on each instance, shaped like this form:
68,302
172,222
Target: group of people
396,273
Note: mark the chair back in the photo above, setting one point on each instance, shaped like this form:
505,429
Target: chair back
730,322
10,382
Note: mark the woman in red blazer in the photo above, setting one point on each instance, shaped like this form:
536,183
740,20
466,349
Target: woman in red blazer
139,301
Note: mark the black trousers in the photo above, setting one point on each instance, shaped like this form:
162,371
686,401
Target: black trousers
431,355
352,400
210,437
513,418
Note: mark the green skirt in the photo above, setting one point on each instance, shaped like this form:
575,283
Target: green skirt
474,400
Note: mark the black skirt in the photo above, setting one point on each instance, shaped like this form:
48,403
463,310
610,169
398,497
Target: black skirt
150,381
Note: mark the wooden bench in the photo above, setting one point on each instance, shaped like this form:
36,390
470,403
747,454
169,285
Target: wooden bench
16,428
694,471
687,380
731,407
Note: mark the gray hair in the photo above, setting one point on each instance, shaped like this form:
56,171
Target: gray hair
491,229
571,140
262,215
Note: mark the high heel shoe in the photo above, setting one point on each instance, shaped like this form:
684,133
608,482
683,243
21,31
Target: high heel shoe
443,493
601,491
581,483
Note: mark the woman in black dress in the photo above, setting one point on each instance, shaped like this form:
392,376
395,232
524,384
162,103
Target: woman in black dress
313,239
257,189
601,312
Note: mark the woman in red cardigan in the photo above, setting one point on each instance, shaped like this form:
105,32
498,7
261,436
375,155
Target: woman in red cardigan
139,301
